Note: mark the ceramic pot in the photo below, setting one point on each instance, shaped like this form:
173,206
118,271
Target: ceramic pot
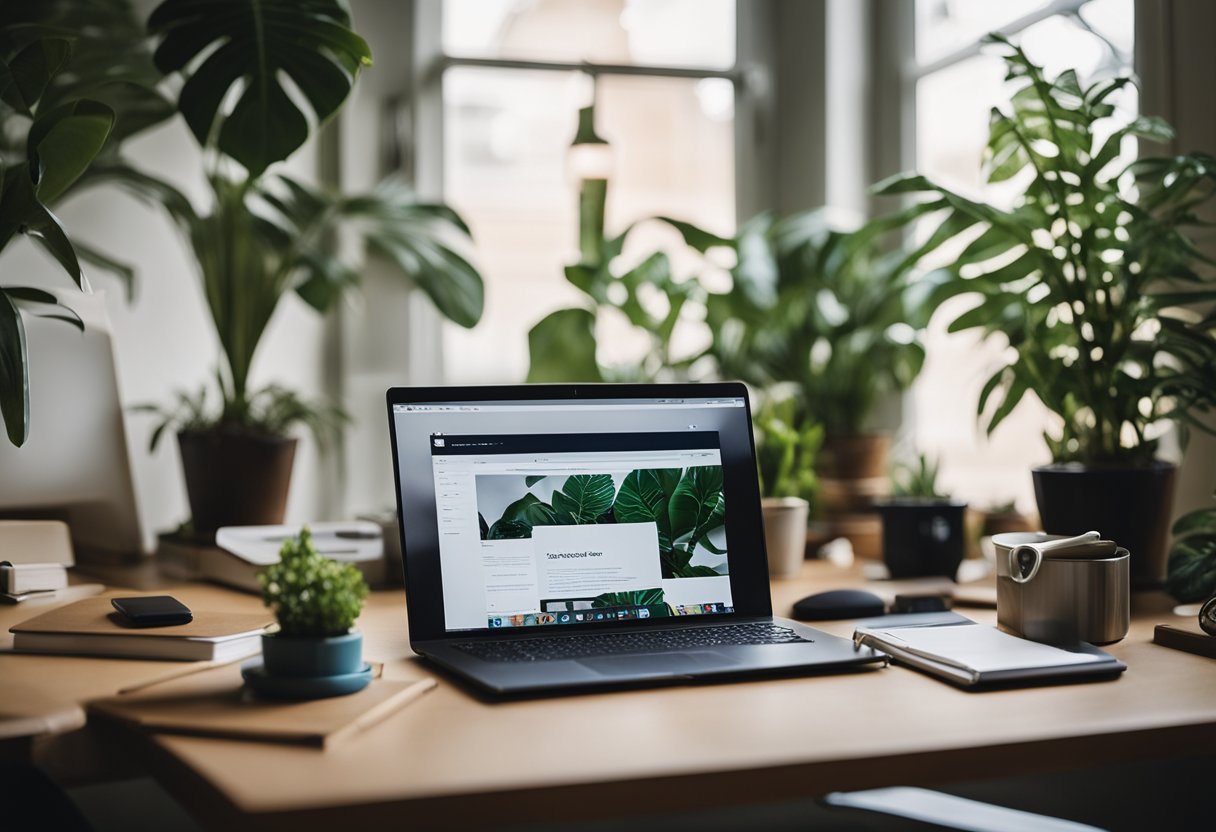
235,479
1129,505
312,656
785,520
922,538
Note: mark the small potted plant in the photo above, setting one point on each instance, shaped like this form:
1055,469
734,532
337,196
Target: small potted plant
316,652
1093,280
785,452
923,532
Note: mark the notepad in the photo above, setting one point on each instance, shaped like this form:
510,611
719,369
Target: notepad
215,703
970,655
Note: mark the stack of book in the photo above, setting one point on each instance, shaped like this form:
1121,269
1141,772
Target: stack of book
91,627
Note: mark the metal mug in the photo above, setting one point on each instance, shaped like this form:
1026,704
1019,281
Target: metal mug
1062,590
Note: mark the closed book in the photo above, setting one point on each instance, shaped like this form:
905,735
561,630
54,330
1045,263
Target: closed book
91,627
20,578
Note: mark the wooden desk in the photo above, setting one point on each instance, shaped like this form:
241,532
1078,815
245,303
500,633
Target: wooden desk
454,760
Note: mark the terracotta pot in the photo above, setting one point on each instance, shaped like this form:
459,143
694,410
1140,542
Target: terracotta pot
859,457
785,534
1129,505
235,479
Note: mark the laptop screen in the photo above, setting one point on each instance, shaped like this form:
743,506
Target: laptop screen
561,513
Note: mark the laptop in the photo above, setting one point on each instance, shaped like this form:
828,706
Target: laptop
560,537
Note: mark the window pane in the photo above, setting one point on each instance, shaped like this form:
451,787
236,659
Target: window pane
944,26
693,33
507,134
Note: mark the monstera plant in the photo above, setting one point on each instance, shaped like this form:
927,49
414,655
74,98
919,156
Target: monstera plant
263,235
686,505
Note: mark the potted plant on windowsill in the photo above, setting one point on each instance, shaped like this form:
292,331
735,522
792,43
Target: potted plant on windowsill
1094,283
923,530
265,235
316,652
812,306
785,454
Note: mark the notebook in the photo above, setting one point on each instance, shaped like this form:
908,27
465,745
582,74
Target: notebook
91,627
215,703
973,655
573,536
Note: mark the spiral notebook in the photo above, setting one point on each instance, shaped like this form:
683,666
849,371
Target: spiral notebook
972,655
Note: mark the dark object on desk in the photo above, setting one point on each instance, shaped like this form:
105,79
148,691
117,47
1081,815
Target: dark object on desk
152,611
922,537
924,602
1207,616
838,604
1186,637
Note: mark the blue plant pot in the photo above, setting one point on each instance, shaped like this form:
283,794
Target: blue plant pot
312,657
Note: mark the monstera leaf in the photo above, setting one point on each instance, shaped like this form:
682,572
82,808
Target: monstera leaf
652,598
643,498
249,46
583,498
1192,563
697,506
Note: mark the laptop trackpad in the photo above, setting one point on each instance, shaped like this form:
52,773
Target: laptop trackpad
676,664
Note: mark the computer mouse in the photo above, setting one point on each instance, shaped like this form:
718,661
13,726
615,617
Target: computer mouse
839,603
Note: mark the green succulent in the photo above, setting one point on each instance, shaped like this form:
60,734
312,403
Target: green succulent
310,594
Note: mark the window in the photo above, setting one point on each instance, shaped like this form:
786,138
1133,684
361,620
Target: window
515,74
956,84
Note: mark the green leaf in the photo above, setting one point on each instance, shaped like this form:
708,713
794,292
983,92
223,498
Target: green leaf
31,70
562,348
20,210
43,304
697,505
258,42
698,238
124,271
1192,569
1200,521
509,530
530,510
14,373
533,479
65,141
583,498
642,498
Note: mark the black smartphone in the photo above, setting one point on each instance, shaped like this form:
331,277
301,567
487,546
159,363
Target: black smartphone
153,610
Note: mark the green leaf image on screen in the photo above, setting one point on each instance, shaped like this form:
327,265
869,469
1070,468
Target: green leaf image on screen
652,599
685,504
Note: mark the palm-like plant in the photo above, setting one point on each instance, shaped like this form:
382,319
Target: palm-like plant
1091,276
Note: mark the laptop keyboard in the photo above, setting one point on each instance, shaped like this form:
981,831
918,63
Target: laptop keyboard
645,641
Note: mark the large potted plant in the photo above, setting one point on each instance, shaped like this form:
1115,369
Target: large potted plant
316,651
785,456
1097,288
264,234
814,307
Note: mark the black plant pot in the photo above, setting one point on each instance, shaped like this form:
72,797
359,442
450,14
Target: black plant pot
922,537
1130,506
